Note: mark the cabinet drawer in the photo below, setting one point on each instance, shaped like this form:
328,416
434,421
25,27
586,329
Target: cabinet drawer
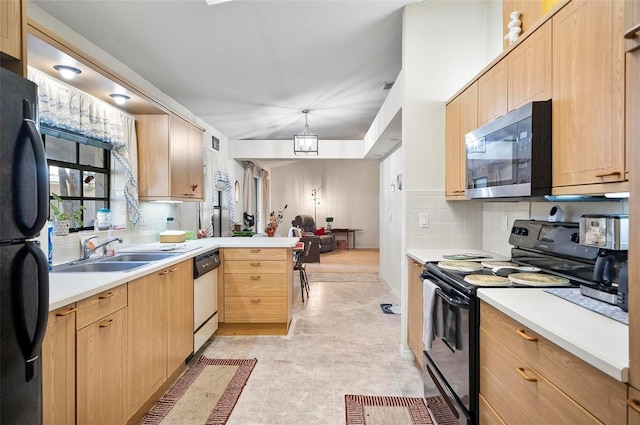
634,406
255,266
255,254
255,309
521,395
602,395
100,305
488,416
255,284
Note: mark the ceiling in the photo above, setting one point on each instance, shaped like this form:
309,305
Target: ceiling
248,68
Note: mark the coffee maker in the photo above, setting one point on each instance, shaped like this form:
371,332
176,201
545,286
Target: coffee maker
609,233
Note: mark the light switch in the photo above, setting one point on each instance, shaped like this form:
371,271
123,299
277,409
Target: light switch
424,219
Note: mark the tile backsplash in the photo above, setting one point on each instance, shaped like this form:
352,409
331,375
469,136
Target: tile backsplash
497,220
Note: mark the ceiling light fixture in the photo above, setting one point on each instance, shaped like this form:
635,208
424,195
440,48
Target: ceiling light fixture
67,72
305,143
120,99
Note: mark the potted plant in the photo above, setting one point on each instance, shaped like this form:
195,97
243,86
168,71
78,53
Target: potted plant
62,218
329,221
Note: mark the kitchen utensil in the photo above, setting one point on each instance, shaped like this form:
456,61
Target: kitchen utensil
492,264
509,269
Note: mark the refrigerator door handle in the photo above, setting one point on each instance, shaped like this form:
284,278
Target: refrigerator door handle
30,347
42,176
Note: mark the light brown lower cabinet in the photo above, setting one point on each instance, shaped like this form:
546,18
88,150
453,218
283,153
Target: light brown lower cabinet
179,307
102,371
633,408
488,416
59,368
526,379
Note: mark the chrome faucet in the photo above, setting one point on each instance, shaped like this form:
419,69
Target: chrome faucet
86,251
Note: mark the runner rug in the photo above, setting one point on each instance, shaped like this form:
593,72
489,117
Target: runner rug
377,410
205,395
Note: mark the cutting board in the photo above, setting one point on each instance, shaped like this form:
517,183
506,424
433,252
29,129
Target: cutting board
538,279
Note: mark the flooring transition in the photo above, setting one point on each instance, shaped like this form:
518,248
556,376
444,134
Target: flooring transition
339,343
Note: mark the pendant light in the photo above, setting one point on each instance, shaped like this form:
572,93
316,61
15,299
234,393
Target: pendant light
305,143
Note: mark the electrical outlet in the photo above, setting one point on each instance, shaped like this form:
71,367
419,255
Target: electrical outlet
424,220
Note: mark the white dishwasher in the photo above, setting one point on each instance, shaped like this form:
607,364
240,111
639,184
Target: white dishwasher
205,297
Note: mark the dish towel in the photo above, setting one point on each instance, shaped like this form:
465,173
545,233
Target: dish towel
428,298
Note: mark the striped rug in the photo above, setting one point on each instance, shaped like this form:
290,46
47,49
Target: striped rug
205,395
378,410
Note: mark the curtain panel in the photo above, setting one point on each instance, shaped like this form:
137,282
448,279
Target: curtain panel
64,107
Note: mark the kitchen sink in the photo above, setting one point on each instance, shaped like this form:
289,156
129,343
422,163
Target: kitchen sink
142,256
99,266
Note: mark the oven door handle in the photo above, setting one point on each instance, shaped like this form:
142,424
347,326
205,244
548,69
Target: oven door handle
456,302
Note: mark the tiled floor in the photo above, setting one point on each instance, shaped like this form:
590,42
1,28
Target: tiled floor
339,343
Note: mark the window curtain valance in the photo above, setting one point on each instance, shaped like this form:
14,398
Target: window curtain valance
63,107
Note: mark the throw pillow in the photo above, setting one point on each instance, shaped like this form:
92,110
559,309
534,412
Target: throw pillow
320,231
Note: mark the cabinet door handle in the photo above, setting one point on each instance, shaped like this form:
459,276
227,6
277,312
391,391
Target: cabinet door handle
632,32
255,277
164,272
107,323
173,270
525,376
612,173
66,313
523,334
458,191
255,251
194,187
634,404
106,296
255,300
256,264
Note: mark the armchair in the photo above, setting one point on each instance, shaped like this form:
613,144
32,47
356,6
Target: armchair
321,243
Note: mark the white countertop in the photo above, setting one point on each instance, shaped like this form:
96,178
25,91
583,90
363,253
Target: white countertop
67,288
598,340
424,255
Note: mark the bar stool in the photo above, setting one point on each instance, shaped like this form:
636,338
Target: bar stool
301,267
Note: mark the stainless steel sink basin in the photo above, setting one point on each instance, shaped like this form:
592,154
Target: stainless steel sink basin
139,256
99,266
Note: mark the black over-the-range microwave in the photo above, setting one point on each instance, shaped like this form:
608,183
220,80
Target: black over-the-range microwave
511,155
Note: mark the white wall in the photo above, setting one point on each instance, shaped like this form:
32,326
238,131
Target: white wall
348,193
392,220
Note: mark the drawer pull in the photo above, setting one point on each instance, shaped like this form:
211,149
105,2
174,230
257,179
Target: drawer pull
634,404
173,270
458,191
525,376
107,323
256,264
254,277
255,251
612,173
632,33
523,334
164,272
106,296
255,300
66,313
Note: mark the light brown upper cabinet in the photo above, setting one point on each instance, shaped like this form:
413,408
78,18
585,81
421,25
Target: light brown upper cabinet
12,44
588,94
461,118
492,93
529,69
170,158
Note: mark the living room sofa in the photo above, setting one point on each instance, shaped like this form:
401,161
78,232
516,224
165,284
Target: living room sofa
306,223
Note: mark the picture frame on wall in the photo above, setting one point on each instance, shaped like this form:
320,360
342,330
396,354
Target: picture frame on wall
215,143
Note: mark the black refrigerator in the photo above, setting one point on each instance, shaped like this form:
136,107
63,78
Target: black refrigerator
24,273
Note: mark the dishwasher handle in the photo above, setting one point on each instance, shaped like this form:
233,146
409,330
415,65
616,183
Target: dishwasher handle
205,263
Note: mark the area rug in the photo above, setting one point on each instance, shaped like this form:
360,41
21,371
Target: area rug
378,410
206,394
343,277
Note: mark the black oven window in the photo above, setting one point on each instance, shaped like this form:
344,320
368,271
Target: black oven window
78,173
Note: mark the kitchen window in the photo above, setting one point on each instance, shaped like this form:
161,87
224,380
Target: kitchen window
79,170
